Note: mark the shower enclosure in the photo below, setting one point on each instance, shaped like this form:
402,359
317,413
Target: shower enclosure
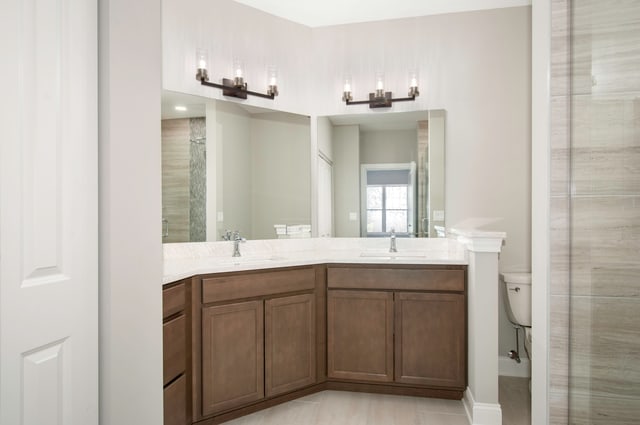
595,213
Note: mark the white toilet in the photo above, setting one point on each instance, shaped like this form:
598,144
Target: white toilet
517,300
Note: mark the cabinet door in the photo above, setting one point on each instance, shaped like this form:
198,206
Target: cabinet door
290,343
360,335
232,355
430,339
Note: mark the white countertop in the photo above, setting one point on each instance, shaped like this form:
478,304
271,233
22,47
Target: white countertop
183,260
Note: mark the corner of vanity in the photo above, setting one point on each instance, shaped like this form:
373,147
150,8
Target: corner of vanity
242,338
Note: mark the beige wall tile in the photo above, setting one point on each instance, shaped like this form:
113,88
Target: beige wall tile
175,178
558,408
589,410
560,145
605,48
605,241
604,347
560,47
559,344
560,245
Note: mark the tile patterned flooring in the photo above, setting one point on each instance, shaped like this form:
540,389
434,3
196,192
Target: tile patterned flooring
346,408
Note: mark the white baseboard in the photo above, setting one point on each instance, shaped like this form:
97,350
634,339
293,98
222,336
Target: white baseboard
509,367
481,413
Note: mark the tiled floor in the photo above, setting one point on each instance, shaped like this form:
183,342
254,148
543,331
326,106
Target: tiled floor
515,400
346,408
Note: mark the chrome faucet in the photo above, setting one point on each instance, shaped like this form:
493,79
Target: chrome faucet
392,247
236,243
226,236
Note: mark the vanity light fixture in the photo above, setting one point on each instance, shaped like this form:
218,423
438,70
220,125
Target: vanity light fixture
381,98
235,87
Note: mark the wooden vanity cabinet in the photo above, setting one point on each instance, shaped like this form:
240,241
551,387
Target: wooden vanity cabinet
258,337
176,354
397,324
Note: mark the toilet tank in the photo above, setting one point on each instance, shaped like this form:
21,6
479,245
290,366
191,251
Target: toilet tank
517,297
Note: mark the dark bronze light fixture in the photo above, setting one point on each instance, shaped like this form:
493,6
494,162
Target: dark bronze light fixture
235,87
381,98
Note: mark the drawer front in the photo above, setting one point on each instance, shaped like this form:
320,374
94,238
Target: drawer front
396,279
173,300
174,348
257,284
175,402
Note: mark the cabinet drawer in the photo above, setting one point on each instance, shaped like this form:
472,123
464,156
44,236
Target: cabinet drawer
257,284
174,348
396,279
173,300
175,402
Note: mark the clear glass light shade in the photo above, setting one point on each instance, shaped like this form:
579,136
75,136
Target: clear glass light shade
413,83
272,78
413,79
379,81
347,88
347,84
201,64
272,75
238,68
201,58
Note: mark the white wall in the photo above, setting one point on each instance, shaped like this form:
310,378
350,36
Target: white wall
234,135
325,136
388,146
130,213
281,176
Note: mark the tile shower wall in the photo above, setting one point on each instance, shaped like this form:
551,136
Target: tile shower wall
595,207
184,179
175,179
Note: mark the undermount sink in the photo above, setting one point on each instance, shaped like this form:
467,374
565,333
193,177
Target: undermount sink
392,255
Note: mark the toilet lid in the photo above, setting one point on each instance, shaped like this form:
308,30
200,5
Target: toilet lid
519,278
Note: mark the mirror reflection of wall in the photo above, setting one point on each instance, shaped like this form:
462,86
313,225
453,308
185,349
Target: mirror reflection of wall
391,141
233,167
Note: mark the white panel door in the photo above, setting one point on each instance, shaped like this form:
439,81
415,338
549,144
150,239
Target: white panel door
48,212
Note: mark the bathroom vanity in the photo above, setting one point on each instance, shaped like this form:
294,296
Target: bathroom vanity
262,330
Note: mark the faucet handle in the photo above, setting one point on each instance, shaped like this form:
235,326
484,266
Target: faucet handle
237,237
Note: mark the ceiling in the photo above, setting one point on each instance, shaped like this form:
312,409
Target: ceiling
375,121
334,12
195,106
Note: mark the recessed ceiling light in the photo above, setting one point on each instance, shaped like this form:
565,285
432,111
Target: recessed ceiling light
181,108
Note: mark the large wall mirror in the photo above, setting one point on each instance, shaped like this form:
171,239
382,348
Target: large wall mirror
380,172
228,166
